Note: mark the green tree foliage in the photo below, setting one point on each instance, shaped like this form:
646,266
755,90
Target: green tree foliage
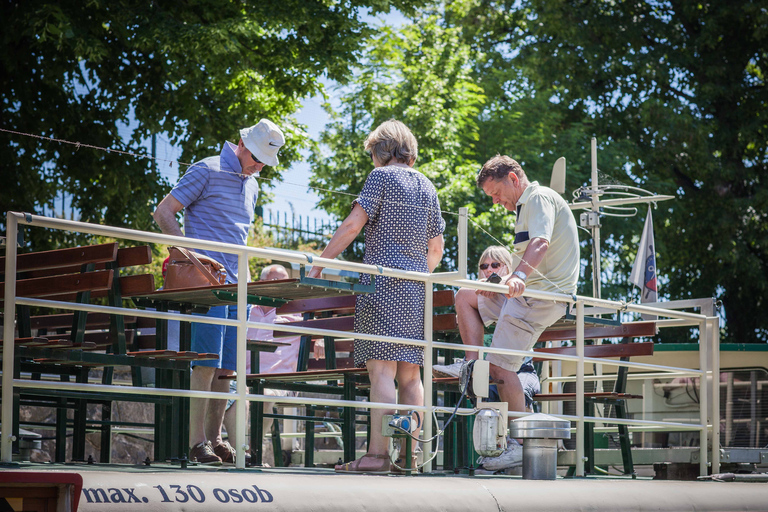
673,91
193,70
436,77
419,74
681,86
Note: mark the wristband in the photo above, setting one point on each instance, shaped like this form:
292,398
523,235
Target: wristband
520,274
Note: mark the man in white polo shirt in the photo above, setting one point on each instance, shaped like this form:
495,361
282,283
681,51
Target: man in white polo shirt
218,195
546,237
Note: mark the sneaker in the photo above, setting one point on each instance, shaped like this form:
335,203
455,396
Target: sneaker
202,453
449,370
512,457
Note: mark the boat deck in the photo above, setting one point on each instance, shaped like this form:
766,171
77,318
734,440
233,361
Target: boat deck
203,488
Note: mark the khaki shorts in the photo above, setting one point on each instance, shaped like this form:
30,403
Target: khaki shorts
519,323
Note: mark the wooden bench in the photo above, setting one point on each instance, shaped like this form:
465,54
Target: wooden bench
80,341
623,351
336,374
338,316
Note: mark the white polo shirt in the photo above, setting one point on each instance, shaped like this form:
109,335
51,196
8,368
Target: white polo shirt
542,213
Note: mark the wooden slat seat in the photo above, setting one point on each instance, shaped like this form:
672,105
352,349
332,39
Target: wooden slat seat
346,304
44,342
173,354
44,287
195,356
63,259
604,350
64,321
604,395
337,374
72,343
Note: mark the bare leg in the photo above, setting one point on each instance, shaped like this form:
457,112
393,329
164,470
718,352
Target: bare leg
230,425
200,380
409,386
471,325
216,408
382,375
510,390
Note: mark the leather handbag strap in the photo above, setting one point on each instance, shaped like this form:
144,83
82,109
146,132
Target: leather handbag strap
199,265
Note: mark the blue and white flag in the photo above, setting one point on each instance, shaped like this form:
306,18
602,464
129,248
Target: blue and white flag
644,270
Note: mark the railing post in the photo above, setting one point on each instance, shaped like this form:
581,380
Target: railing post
462,233
704,383
6,443
426,432
242,329
714,336
580,389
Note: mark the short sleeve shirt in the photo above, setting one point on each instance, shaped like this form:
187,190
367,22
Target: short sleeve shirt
403,215
219,204
542,213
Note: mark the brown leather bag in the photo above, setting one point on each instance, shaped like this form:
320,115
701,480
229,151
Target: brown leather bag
187,269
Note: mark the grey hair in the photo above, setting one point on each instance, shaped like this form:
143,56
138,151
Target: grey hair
272,268
392,140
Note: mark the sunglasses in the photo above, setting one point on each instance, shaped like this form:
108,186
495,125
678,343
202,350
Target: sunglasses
257,160
494,265
370,155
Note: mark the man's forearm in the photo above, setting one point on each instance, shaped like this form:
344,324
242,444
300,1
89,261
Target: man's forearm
166,220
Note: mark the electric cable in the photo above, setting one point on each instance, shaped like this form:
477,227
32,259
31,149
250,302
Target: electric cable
78,145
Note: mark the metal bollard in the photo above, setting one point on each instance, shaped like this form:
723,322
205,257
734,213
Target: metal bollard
540,433
28,441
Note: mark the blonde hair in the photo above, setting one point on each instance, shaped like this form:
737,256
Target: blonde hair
273,268
497,253
392,140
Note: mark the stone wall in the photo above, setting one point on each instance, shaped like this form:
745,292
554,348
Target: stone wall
131,448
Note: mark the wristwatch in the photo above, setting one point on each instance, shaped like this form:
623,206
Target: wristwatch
520,274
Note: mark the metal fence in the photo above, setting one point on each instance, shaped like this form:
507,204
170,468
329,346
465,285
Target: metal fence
290,229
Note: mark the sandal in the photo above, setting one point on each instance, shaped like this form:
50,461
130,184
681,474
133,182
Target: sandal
354,466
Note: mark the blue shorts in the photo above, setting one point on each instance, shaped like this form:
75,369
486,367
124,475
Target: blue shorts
217,339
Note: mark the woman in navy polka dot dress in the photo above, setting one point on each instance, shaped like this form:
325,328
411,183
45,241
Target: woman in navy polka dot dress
403,229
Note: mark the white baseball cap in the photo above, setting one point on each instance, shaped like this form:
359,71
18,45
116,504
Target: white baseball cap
263,140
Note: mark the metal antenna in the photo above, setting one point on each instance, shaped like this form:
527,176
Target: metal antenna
590,199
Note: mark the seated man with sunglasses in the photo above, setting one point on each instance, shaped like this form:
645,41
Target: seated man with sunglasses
218,195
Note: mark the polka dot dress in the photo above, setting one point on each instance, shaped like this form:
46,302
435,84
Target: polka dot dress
403,215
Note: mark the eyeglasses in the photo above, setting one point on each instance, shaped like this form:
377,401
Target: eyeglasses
370,155
494,265
257,160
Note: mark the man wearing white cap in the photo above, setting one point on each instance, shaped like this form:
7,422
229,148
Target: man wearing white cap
218,196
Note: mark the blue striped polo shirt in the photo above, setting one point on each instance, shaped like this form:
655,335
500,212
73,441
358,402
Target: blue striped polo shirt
219,204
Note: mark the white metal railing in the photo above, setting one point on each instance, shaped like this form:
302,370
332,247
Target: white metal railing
707,325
